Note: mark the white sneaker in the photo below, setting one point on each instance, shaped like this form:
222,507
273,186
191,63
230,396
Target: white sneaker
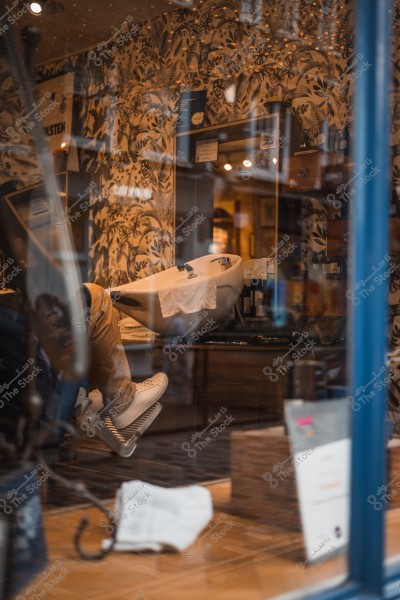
147,393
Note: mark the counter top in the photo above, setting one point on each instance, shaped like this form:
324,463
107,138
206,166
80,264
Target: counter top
223,345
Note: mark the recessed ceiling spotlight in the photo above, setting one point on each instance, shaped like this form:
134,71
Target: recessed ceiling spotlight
35,8
228,167
247,163
46,7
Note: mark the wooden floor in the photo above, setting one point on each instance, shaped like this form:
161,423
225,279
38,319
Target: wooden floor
251,561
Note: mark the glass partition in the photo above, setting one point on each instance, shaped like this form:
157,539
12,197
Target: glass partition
202,165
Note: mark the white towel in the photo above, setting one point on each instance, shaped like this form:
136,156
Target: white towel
149,517
188,299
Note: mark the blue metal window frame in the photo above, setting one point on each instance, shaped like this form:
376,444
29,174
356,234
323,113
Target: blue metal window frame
368,576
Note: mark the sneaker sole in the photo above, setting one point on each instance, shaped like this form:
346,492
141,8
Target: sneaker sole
121,441
127,422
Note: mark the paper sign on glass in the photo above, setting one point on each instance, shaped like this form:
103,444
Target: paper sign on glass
206,150
319,433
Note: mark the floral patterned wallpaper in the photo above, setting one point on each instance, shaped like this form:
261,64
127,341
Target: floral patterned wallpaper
130,99
128,95
17,157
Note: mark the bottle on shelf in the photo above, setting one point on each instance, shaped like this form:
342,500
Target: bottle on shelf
336,269
259,299
246,299
316,267
270,269
332,267
332,138
253,287
344,141
394,209
342,260
295,271
326,266
240,301
321,139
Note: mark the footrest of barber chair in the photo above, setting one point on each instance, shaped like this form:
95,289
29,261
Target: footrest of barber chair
122,441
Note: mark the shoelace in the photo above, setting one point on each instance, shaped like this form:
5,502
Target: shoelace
145,384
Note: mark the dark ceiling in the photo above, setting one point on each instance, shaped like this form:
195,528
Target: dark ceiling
84,24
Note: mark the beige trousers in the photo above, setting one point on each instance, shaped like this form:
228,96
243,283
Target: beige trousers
110,370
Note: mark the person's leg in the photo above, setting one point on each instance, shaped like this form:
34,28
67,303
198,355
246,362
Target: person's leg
109,363
124,400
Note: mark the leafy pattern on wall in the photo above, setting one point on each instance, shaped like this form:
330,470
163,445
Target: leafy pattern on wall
17,157
130,103
314,229
129,107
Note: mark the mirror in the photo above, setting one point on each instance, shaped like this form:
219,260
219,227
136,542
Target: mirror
227,185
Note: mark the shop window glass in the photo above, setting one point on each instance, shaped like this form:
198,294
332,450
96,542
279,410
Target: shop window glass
203,154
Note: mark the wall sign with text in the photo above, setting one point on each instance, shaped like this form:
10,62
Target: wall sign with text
320,438
192,106
55,99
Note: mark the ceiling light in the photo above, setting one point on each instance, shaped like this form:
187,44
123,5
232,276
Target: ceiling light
274,160
49,7
247,163
228,167
35,8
